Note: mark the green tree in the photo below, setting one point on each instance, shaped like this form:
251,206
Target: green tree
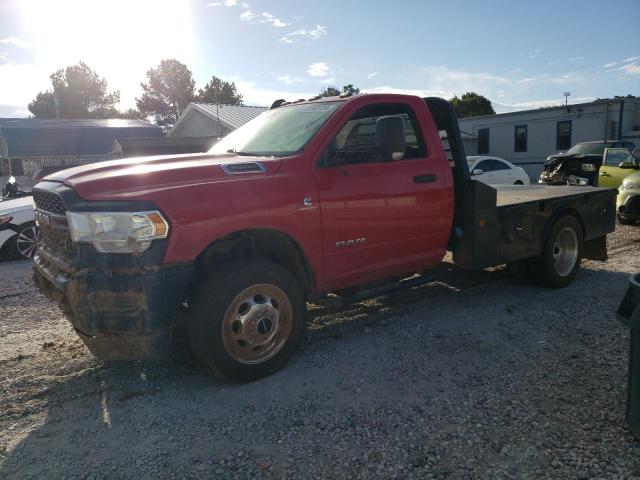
78,92
472,104
329,92
350,89
334,92
219,91
167,92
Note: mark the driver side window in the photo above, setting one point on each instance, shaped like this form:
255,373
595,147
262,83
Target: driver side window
357,143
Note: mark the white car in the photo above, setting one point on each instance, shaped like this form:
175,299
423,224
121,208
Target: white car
496,171
18,232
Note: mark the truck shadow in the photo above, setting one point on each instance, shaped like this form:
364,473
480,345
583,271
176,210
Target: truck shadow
116,420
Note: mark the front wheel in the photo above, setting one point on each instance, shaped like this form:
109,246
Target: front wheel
559,262
247,320
519,182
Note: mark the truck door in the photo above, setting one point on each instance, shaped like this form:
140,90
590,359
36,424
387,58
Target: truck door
382,216
611,173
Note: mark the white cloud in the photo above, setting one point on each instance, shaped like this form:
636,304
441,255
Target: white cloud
630,59
546,78
575,59
16,42
253,95
372,75
288,79
318,69
249,16
264,17
534,53
610,65
443,79
303,33
514,107
408,91
630,69
225,3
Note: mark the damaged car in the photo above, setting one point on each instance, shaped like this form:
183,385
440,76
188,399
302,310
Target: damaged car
580,164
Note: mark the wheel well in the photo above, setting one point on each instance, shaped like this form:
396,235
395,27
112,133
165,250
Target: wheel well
567,211
574,213
274,245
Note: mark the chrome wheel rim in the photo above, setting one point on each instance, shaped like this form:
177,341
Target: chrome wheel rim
257,324
565,252
27,242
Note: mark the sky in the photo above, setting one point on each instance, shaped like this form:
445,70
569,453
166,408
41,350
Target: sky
519,54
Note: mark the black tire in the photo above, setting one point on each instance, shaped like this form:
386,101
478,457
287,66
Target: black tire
19,246
518,182
220,300
550,271
624,221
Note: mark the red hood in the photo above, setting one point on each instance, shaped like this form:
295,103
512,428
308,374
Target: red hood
130,178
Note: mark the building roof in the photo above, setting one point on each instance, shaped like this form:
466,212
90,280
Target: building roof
144,146
39,137
571,106
231,116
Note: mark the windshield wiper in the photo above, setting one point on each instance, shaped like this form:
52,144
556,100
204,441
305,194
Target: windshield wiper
243,154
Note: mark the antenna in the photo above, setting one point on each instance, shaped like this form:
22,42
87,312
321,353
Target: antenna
566,99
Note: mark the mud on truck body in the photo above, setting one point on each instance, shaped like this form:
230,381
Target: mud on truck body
348,195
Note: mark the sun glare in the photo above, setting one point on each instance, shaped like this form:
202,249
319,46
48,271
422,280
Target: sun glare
120,39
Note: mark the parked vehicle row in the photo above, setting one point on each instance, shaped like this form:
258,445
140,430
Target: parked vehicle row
580,165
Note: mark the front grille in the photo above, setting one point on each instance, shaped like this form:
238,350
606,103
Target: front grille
49,202
57,241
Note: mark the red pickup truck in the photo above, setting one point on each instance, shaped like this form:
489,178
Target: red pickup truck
341,195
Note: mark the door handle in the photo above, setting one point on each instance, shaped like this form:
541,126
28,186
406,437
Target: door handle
604,174
428,178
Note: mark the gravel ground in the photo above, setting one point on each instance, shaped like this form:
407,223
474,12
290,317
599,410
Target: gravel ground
471,377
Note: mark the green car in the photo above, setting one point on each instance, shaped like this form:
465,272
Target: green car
628,203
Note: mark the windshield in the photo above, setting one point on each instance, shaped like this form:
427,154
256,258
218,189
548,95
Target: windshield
587,149
280,132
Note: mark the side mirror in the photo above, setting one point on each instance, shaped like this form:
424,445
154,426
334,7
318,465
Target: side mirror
391,138
477,171
627,165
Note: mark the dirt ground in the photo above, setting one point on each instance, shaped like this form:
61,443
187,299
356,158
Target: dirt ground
475,376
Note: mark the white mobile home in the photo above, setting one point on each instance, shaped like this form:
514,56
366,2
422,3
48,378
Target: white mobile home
528,137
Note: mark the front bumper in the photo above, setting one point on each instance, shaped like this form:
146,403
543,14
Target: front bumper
629,207
120,314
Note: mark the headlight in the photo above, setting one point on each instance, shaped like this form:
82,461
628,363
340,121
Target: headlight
117,232
573,180
5,219
588,167
624,186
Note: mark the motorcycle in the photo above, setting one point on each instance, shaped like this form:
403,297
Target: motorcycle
13,190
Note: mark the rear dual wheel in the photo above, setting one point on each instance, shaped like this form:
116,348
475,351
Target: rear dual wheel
559,262
247,320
